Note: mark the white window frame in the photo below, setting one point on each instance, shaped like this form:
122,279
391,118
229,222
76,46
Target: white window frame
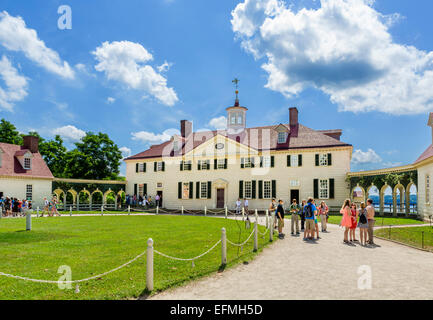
248,162
29,192
323,189
267,189
282,137
233,119
221,163
266,163
239,118
29,160
323,159
427,189
185,191
203,190
159,166
248,189
141,167
187,165
204,164
294,161
141,189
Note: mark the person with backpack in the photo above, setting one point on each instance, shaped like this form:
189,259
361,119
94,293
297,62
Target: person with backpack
280,217
304,202
310,212
363,225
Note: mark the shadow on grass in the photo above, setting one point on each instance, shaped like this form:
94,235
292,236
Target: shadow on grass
22,237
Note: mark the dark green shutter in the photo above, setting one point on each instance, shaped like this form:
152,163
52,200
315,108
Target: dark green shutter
181,166
261,162
329,159
179,190
209,189
197,190
225,163
136,167
274,188
215,164
253,162
272,161
260,189
163,166
331,188
208,164
145,189
241,189
316,188
135,189
317,160
155,166
253,189
199,165
144,166
242,163
300,160
191,190
289,163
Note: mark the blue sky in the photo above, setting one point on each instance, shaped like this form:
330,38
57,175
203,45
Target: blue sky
164,61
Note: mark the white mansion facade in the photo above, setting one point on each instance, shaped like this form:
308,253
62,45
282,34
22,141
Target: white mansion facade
215,168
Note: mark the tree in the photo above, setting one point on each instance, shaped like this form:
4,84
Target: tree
9,133
96,156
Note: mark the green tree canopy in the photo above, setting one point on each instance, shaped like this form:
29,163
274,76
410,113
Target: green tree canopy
9,133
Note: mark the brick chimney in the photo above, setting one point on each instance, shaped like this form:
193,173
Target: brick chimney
430,123
294,124
31,143
185,128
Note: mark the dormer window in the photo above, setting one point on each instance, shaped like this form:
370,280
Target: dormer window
27,163
282,136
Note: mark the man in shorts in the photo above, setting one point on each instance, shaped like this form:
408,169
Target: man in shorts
310,211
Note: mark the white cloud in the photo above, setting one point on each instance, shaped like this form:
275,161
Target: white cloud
70,133
361,157
125,62
164,67
126,152
342,48
111,100
16,85
150,137
219,123
15,36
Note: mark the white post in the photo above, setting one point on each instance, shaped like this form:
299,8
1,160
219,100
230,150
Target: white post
256,214
129,210
226,212
205,210
182,209
223,247
149,265
256,236
157,209
102,210
70,211
271,229
267,218
243,213
28,221
37,212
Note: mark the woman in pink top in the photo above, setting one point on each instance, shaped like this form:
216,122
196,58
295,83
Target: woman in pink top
346,222
323,212
354,216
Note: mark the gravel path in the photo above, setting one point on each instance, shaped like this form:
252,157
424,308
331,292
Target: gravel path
327,269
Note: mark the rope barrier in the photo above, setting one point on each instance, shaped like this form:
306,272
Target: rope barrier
240,244
187,259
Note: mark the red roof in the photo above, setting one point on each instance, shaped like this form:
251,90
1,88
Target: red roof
252,137
427,154
10,166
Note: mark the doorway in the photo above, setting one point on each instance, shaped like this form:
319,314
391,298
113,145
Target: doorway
294,194
159,193
220,198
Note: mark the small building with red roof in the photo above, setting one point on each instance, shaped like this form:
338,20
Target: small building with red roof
24,173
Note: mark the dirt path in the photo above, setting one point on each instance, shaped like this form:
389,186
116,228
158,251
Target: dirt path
327,269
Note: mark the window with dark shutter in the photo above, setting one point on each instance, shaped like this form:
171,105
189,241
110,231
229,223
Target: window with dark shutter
289,160
145,189
272,161
331,188
261,162
191,190
274,188
215,164
300,160
253,189
242,163
197,190
163,166
209,189
329,159
136,167
241,189
181,166
316,188
155,166
179,190
199,165
260,189
317,160
225,163
144,167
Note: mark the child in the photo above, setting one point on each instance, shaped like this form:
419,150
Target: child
363,224
354,218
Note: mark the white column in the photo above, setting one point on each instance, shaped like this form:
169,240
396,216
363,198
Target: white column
149,265
28,221
223,247
102,210
157,209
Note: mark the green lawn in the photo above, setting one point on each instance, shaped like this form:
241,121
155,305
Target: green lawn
93,245
412,236
385,221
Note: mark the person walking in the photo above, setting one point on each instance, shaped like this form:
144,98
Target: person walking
371,221
246,206
304,202
346,222
295,209
323,213
238,206
316,222
363,224
354,218
280,217
310,212
157,198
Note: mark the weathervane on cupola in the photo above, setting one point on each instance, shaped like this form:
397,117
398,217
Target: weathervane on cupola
236,115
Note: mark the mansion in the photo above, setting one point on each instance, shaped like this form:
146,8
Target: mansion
214,168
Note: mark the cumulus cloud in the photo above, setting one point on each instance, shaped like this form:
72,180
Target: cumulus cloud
150,137
219,123
126,152
15,36
70,133
369,156
126,62
164,67
343,48
110,100
15,85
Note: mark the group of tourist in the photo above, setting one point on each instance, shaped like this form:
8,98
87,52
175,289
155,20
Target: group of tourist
145,201
241,205
13,207
308,214
50,207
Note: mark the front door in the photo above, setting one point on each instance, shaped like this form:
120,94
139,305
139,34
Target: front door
220,198
160,198
294,194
